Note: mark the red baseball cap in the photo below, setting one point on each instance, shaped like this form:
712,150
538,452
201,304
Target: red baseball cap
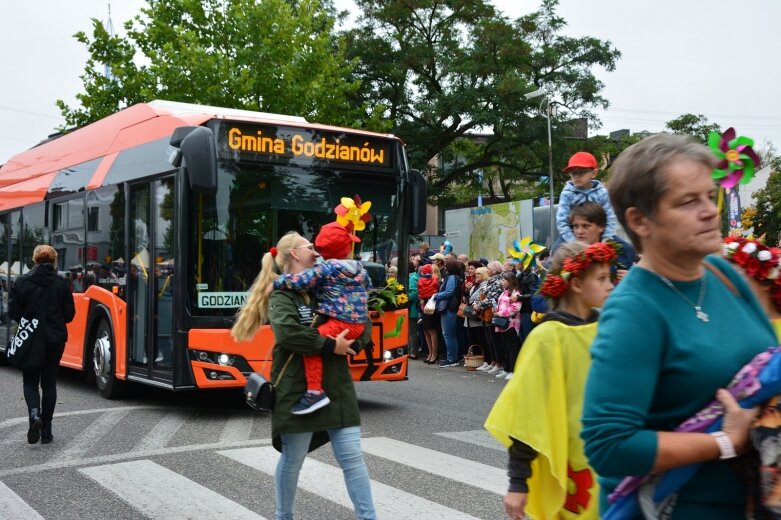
334,241
581,160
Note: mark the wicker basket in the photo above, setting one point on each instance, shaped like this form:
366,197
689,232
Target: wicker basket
474,358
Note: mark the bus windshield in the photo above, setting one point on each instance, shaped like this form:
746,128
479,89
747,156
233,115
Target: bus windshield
256,204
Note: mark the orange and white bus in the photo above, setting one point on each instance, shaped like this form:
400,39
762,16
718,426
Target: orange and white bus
161,213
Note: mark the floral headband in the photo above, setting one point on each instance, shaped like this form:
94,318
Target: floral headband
758,261
556,283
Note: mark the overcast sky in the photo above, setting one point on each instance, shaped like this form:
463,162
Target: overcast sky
715,57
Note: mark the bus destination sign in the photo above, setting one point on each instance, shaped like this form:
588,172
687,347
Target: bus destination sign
285,144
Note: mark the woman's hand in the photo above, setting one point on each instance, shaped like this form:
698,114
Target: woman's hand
515,504
469,285
737,420
343,344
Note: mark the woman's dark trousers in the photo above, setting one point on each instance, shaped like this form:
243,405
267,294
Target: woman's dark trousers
512,347
46,377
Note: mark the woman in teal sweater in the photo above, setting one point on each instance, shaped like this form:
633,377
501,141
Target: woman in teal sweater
671,335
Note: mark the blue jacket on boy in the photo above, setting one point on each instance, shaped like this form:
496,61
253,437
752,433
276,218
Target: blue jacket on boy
571,196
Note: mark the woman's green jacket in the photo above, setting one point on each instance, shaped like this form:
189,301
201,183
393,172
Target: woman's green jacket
290,316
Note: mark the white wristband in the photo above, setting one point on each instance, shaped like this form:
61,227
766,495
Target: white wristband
726,447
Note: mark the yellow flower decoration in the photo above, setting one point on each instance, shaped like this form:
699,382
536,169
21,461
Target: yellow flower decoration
525,250
401,299
353,212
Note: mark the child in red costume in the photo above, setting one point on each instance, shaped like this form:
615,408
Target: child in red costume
341,290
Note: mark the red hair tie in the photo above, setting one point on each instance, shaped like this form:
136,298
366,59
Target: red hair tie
273,252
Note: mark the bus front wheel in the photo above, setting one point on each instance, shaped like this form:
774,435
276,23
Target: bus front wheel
104,363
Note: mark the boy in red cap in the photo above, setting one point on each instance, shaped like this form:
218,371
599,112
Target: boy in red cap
583,187
341,290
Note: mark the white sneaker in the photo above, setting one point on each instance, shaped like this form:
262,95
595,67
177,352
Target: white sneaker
483,367
508,376
494,369
501,374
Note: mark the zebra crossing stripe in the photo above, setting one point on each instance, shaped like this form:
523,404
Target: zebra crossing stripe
237,428
163,432
12,505
476,437
437,463
321,479
78,446
161,494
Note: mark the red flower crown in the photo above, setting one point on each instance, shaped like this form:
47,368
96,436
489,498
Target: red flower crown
758,261
556,283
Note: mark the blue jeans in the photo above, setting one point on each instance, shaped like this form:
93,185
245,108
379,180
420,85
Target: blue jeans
346,443
449,333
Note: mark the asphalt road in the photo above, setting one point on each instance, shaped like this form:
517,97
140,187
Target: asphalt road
206,455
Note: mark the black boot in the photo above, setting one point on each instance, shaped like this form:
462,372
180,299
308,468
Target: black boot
34,433
46,433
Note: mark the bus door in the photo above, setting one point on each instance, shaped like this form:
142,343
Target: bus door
150,283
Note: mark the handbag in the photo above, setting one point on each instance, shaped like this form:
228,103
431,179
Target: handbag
469,311
465,310
259,393
486,314
27,348
500,322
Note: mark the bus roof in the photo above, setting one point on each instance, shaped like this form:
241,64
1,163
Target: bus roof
26,177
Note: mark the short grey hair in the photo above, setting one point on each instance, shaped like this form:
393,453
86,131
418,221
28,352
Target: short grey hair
637,177
494,267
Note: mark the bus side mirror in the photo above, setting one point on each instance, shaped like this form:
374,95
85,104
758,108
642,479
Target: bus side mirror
197,149
418,194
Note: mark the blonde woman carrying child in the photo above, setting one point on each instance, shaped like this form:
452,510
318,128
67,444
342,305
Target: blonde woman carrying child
341,286
537,415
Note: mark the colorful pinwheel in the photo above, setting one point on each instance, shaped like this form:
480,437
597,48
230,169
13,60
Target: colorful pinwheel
525,250
737,159
352,211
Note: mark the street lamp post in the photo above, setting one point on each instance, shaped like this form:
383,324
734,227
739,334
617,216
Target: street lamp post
549,107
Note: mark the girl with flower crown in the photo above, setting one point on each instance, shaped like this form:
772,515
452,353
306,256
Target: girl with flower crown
537,415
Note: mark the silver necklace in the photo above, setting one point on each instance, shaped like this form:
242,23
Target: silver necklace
701,315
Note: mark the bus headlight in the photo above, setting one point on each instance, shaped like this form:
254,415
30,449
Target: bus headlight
225,359
387,356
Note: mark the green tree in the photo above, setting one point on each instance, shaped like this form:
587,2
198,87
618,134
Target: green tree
696,125
767,219
445,70
272,55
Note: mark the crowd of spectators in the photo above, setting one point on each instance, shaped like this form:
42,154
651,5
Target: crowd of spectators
481,306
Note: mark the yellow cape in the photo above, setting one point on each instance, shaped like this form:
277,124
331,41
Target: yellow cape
541,407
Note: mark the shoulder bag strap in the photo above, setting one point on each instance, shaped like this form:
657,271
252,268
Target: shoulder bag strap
284,367
723,277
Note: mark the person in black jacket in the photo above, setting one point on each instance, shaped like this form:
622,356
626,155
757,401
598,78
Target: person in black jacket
42,286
